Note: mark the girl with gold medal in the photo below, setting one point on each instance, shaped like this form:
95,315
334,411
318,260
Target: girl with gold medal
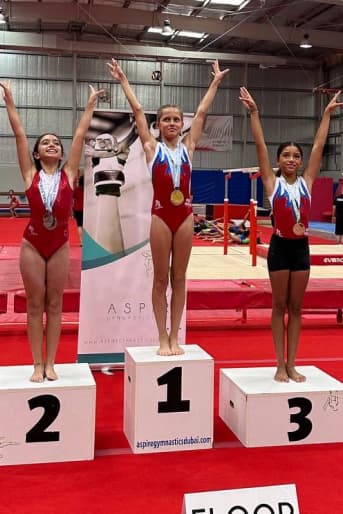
171,232
288,255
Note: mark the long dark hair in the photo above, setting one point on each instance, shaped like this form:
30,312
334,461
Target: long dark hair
281,148
35,149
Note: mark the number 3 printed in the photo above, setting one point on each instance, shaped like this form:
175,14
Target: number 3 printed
304,423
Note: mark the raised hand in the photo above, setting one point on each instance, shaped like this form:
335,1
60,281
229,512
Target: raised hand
217,73
7,93
247,100
94,95
116,71
333,104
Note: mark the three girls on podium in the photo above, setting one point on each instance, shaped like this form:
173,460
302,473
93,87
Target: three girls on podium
44,253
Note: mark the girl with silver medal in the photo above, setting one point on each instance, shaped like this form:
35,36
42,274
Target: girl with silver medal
170,242
48,186
44,256
288,254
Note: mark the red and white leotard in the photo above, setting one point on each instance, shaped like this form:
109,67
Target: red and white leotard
162,181
283,209
47,242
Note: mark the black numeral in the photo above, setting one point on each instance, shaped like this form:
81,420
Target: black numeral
304,423
173,379
51,406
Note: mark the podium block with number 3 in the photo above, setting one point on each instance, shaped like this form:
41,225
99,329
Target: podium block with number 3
168,400
263,412
49,421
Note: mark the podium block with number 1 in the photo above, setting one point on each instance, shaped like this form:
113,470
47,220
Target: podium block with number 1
168,400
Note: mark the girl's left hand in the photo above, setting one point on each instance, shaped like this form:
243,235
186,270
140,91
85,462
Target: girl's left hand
333,104
217,73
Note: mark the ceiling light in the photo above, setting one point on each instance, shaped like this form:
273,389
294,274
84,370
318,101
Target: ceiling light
167,29
305,42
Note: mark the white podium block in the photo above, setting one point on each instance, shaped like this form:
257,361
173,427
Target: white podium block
52,421
263,412
168,400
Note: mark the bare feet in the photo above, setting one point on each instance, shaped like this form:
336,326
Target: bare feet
38,373
164,348
175,347
49,372
281,374
295,375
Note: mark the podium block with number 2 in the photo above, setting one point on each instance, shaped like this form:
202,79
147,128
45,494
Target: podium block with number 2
168,400
49,421
263,412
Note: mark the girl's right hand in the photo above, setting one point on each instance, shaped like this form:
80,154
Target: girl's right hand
247,100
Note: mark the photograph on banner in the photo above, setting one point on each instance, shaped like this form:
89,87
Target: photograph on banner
117,272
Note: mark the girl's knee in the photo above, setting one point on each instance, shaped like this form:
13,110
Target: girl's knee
54,306
294,309
279,308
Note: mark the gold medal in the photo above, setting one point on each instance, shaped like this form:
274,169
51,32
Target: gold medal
299,229
177,197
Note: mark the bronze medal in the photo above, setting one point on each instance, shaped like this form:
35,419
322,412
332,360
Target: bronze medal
177,197
299,229
49,221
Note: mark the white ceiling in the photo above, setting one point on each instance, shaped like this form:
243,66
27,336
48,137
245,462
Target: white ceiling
265,31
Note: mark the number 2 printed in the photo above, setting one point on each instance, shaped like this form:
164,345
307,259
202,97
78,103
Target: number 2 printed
51,406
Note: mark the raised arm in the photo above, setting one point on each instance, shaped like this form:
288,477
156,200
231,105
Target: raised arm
313,166
198,122
137,109
73,161
23,150
266,170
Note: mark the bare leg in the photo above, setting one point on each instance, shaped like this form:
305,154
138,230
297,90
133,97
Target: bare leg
279,282
57,273
298,284
160,243
182,246
33,268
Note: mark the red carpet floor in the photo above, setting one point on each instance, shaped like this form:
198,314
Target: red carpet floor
118,480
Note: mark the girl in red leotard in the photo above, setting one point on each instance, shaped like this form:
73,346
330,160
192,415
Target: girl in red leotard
14,202
171,229
288,256
44,254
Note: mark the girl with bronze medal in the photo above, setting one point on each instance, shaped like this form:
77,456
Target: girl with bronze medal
298,228
171,230
288,256
44,252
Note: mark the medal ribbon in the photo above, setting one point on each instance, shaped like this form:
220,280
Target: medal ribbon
48,188
174,160
294,201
